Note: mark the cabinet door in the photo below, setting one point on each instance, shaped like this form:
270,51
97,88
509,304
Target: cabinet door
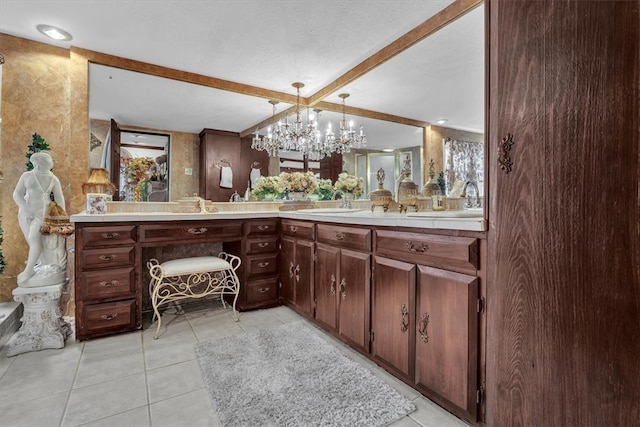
326,284
287,266
303,276
393,314
354,298
447,337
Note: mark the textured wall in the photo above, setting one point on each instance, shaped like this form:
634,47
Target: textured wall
35,98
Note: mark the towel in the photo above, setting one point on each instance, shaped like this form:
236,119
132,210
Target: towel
254,176
226,177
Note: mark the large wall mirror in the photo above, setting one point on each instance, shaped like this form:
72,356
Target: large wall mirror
410,91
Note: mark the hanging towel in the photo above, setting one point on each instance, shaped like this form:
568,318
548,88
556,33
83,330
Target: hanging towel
254,176
226,177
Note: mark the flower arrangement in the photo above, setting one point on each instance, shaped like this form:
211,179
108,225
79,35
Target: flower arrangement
267,186
325,189
137,173
349,184
302,182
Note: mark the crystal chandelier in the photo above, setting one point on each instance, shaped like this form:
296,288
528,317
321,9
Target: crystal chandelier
347,138
267,143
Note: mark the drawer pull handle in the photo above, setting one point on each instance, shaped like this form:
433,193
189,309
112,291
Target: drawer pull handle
404,324
109,316
108,257
297,273
343,286
263,244
339,235
332,288
263,264
109,284
197,231
422,327
293,228
263,290
263,227
417,247
110,235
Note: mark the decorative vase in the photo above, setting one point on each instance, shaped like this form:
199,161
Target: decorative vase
297,195
269,197
346,200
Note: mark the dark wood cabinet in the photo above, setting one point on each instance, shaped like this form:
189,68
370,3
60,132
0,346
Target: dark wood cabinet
446,337
393,315
327,277
297,266
563,332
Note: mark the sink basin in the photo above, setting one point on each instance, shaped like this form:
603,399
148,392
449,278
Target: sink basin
328,210
467,213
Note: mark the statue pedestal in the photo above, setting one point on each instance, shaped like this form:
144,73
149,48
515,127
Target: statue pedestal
42,323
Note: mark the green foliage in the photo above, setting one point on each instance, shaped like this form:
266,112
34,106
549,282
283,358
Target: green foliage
441,183
37,144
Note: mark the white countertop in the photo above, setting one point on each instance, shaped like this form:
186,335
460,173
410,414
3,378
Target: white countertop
453,220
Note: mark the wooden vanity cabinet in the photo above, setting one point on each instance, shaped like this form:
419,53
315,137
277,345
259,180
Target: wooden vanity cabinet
343,282
106,271
296,265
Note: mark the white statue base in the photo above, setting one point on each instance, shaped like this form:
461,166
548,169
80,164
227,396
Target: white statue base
42,324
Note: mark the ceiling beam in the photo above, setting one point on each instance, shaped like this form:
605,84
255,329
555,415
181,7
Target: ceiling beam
183,76
447,15
361,112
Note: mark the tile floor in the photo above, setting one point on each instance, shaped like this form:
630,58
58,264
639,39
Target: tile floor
133,380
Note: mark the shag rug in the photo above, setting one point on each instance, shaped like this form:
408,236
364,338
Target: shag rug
290,376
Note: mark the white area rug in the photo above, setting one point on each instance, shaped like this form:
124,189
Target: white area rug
291,376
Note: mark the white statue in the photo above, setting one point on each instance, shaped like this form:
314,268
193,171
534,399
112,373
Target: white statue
46,262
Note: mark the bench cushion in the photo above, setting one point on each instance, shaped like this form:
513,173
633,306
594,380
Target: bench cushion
201,264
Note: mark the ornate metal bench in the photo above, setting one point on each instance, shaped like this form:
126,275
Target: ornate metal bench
195,277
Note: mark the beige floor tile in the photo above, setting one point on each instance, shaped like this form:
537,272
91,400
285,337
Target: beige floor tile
45,411
205,329
192,409
405,422
429,414
285,314
138,417
130,342
108,367
105,399
33,381
174,380
169,350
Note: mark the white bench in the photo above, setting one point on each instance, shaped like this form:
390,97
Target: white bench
195,277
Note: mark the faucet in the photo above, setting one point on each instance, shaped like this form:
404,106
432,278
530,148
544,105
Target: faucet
464,194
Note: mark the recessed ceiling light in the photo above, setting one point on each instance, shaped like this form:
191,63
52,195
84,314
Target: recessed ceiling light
54,33
442,121
388,150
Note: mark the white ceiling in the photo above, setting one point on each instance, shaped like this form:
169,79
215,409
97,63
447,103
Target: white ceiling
269,44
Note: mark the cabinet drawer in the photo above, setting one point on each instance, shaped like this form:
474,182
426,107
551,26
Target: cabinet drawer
107,257
440,251
103,284
261,291
108,236
261,227
301,229
345,237
260,265
263,245
191,232
119,315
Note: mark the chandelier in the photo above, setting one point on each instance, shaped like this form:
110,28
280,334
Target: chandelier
347,138
305,138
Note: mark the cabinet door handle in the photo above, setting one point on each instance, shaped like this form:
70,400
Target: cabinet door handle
109,316
297,272
343,286
263,227
291,270
197,231
110,235
263,264
293,228
422,327
263,244
504,160
420,247
109,284
263,290
404,323
108,257
332,287
339,235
